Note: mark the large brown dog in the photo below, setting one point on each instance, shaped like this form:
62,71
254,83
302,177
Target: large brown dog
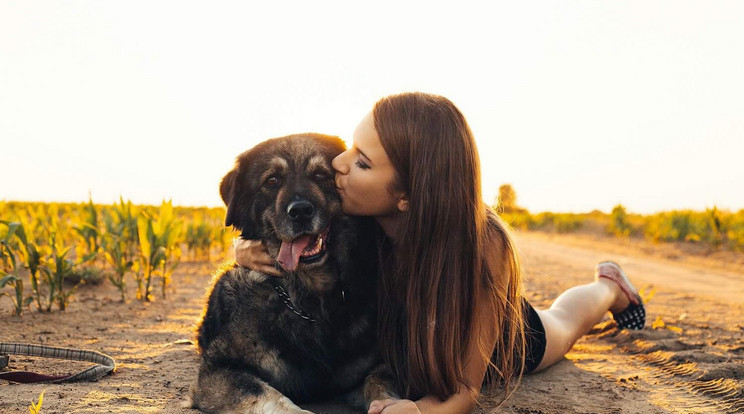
310,335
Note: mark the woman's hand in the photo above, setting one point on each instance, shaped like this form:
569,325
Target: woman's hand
253,255
392,406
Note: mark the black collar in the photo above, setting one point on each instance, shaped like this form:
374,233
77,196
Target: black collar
284,296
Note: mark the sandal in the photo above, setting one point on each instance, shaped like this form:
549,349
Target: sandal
634,316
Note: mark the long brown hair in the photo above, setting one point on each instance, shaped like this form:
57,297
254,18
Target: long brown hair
440,274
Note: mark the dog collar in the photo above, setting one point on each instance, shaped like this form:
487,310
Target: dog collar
284,296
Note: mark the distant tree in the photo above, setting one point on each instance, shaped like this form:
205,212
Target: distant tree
507,199
619,224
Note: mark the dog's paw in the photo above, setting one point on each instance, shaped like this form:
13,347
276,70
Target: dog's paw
269,402
188,403
281,405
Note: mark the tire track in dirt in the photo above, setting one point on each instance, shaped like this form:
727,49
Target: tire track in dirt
717,384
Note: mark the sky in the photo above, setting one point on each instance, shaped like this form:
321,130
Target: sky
579,105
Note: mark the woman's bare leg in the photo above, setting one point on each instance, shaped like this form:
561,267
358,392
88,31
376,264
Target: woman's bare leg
574,312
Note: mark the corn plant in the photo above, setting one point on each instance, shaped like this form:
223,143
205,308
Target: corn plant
31,257
49,231
46,220
115,251
150,255
120,243
199,238
168,265
57,268
159,252
88,230
32,262
169,234
9,265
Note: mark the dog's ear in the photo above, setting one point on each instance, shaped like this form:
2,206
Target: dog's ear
227,192
238,201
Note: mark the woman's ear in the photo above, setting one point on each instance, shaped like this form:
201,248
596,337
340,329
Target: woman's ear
403,203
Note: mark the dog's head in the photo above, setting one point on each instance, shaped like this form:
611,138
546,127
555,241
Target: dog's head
283,192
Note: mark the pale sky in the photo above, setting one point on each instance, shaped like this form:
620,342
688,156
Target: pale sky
580,105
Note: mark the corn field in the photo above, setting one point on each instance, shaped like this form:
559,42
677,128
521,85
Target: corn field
47,250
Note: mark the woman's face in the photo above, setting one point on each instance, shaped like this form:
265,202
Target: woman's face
365,175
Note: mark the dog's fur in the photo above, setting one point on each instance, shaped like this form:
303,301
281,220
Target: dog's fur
255,350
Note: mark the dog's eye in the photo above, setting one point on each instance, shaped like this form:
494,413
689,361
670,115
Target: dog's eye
272,181
320,175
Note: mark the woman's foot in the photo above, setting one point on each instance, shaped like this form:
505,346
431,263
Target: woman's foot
628,310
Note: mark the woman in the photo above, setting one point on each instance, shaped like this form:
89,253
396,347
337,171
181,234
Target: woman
451,309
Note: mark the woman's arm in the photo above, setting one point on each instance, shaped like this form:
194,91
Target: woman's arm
484,333
252,254
479,351
462,402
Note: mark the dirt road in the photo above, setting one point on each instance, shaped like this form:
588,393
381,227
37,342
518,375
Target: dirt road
698,280
695,364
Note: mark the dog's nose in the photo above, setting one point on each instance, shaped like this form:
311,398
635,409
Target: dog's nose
300,209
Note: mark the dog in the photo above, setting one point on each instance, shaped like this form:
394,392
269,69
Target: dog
269,342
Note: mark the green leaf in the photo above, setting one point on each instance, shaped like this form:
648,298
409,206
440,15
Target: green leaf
160,254
143,224
21,233
64,253
12,227
88,257
7,279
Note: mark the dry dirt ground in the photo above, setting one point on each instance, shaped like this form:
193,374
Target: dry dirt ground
696,368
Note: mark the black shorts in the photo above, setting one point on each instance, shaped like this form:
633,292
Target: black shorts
534,334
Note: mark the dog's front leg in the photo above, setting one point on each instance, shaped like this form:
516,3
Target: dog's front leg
267,400
379,385
221,389
270,402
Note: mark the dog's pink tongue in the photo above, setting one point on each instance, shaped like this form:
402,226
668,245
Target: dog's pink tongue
289,252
